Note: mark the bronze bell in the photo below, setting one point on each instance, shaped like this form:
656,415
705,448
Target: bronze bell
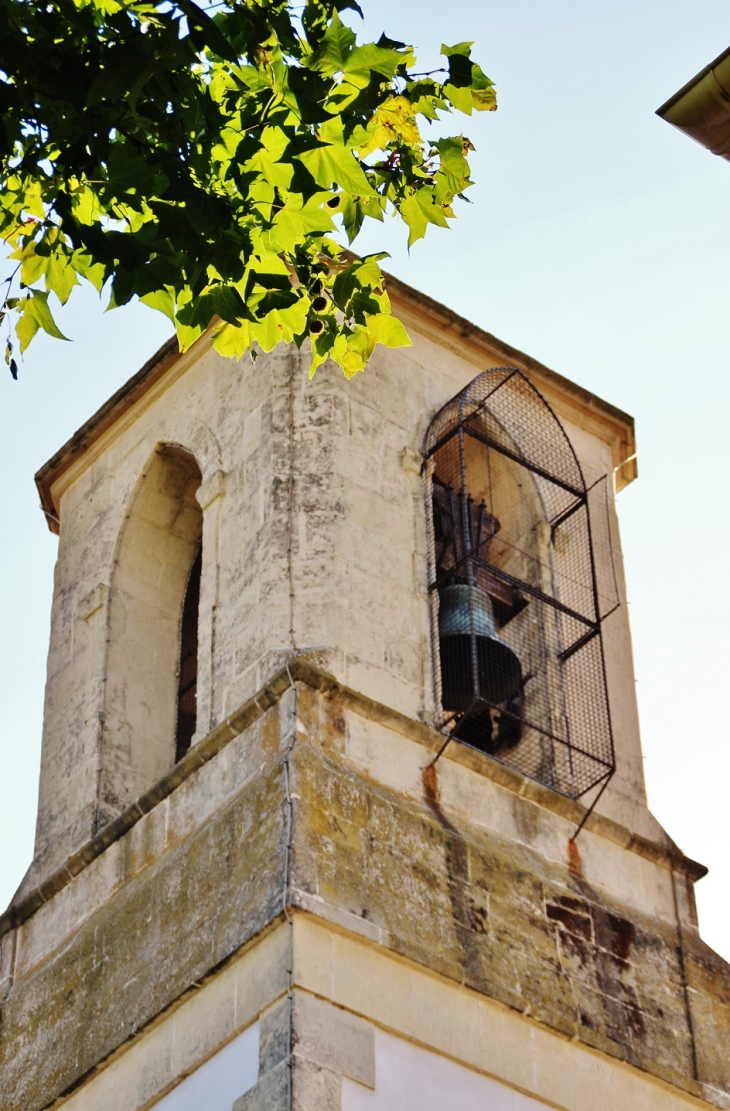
466,622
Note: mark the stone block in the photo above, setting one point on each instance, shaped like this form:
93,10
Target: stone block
203,1023
334,1039
271,1093
262,975
275,1035
312,957
314,1086
7,961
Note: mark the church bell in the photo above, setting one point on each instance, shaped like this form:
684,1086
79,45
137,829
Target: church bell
476,664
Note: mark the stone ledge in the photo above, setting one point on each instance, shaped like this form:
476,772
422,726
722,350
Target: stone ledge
300,670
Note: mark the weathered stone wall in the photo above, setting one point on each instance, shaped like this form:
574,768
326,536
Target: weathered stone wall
415,873
187,906
493,916
156,939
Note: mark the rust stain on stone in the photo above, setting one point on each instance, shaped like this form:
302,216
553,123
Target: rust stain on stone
431,785
574,861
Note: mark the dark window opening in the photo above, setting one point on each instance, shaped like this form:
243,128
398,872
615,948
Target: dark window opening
187,689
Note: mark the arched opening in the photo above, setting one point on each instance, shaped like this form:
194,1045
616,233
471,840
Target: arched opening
187,680
516,620
151,673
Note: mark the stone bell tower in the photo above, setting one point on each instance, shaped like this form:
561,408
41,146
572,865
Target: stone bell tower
337,671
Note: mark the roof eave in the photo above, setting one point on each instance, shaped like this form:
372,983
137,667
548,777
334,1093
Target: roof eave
449,323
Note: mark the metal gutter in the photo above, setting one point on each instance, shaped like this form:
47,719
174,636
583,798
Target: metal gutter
701,108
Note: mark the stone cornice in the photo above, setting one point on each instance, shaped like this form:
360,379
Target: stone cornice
302,671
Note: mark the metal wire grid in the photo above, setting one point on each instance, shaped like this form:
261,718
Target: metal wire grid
512,542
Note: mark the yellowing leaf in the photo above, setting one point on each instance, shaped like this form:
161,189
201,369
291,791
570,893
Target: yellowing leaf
393,120
281,324
232,342
226,145
353,349
484,100
388,330
25,330
33,201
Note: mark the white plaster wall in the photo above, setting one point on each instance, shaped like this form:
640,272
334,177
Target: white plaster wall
215,1085
408,1078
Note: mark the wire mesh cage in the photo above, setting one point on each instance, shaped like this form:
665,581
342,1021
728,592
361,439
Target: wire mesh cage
516,604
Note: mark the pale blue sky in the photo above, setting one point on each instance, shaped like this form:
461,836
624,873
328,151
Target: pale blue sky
599,243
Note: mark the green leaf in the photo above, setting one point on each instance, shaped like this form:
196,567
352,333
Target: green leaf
369,57
355,209
220,300
162,301
60,276
36,315
323,346
335,165
334,49
419,211
33,266
86,267
461,98
296,220
451,152
209,34
280,325
129,172
187,334
361,274
462,49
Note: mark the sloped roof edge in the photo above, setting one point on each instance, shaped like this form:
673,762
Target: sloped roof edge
168,354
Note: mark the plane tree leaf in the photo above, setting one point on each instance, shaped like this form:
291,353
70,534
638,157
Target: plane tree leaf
211,160
34,316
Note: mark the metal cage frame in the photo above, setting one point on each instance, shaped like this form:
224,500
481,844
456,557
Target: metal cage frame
516,576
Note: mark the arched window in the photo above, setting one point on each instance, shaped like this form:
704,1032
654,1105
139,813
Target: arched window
516,615
187,683
151,671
